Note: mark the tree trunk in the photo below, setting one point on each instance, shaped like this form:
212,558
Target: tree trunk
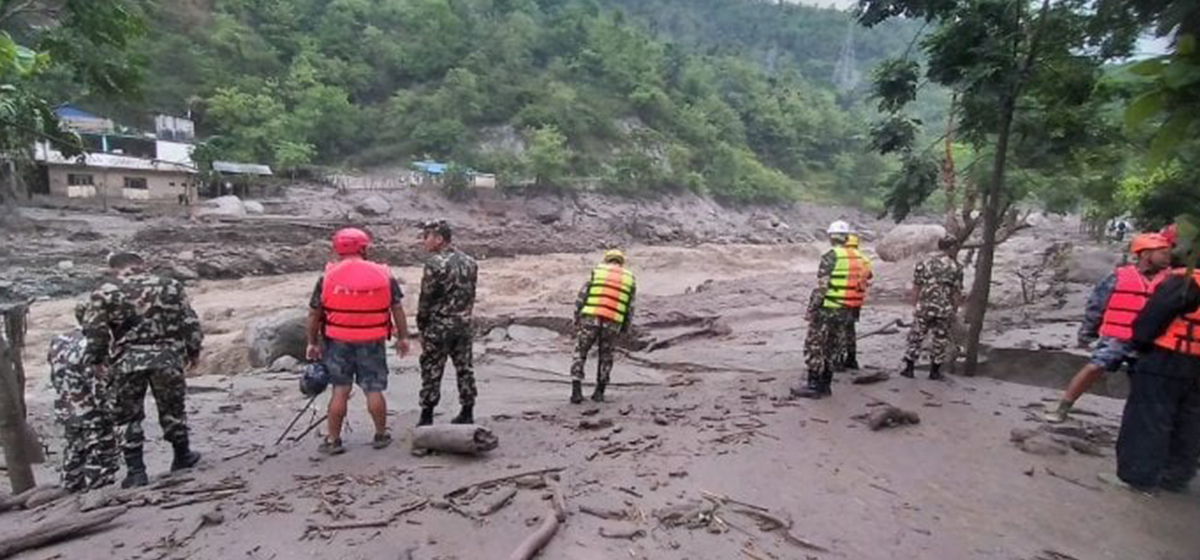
993,202
463,439
67,527
21,447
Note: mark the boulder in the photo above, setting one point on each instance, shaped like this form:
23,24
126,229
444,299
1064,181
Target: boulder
65,265
277,335
254,207
906,241
224,206
285,363
374,205
1087,265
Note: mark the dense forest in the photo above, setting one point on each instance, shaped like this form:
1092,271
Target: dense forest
729,97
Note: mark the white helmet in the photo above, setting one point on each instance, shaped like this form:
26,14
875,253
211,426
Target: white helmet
840,227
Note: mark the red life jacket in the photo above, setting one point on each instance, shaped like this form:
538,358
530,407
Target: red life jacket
356,296
1183,334
1127,300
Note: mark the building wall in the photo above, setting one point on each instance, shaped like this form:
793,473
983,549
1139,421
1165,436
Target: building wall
110,183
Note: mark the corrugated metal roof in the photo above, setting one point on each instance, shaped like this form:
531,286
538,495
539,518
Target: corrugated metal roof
45,154
242,168
430,167
73,112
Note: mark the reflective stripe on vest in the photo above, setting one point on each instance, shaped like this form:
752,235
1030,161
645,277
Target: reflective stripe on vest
356,297
847,284
1183,335
1127,300
609,292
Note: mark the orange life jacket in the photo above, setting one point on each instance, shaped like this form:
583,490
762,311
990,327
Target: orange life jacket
1127,300
1183,335
609,292
356,296
848,282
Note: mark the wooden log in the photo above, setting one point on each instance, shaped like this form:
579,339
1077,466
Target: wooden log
538,540
20,446
496,504
45,496
462,439
55,530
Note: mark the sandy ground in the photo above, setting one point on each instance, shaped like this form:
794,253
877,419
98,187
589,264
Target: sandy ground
708,414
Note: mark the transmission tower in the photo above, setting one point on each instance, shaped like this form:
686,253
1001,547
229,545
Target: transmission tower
845,74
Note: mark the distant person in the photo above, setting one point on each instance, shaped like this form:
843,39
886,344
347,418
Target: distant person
354,308
444,319
847,343
145,327
938,292
83,406
603,311
1159,442
1108,318
1122,229
841,281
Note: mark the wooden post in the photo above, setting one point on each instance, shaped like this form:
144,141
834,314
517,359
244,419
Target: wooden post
21,447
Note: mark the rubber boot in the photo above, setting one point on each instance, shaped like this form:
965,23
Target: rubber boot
576,392
935,372
812,388
465,416
185,458
852,363
909,366
598,394
135,469
426,417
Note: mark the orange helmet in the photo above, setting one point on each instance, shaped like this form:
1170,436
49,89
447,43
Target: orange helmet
1148,242
350,241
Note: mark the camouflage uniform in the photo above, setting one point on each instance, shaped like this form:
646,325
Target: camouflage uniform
144,325
83,407
827,327
939,284
592,331
444,319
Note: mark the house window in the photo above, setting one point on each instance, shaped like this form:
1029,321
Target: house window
79,180
136,183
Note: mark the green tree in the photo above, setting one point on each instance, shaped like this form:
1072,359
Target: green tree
548,157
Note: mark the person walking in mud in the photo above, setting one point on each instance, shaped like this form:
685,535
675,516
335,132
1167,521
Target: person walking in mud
937,289
145,327
83,406
841,279
444,319
354,308
847,343
1108,318
603,311
1159,442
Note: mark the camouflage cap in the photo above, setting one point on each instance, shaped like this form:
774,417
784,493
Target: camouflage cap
440,227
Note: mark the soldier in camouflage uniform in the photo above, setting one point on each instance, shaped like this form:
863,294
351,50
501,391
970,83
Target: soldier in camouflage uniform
841,279
84,409
603,311
144,326
444,319
938,284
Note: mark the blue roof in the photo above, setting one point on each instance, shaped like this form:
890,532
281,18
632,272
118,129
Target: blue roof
430,167
73,112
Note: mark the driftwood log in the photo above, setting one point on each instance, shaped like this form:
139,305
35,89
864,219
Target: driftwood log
538,539
67,527
21,447
463,439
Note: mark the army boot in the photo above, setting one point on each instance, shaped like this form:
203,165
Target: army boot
811,388
851,363
909,366
465,416
598,394
426,417
185,458
135,469
935,372
827,384
576,392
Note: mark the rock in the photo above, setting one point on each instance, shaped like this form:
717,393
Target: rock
65,265
280,334
522,333
1021,434
374,205
285,363
1042,445
589,424
224,206
254,207
906,241
1086,265
1086,448
181,272
188,255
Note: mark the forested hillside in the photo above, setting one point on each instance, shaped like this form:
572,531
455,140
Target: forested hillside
728,97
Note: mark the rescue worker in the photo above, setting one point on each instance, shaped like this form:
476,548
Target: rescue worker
847,343
143,325
1108,319
937,289
84,408
603,311
1159,441
444,319
841,278
355,307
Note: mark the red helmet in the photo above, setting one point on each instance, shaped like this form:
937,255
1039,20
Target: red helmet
350,241
1171,233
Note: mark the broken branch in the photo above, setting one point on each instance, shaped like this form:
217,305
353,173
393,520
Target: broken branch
494,481
538,540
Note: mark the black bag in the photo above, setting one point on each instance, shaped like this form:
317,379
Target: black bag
315,379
